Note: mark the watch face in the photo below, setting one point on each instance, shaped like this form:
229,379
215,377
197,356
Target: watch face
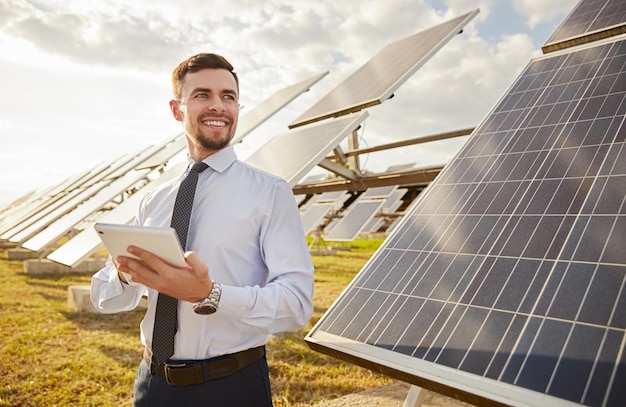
204,309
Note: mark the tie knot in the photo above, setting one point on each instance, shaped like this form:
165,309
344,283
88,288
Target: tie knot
199,167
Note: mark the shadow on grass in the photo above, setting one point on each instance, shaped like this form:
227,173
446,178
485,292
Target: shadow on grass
127,358
123,322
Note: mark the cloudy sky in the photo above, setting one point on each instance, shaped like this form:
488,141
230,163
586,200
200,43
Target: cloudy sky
86,82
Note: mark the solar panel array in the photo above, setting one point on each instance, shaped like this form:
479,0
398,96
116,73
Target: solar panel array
506,282
590,20
379,78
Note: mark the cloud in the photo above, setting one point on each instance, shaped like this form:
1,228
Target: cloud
95,75
538,12
123,37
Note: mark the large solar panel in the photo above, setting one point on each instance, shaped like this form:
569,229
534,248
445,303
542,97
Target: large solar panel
590,20
506,282
379,78
293,154
266,109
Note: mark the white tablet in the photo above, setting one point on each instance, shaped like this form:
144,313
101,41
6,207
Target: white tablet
163,242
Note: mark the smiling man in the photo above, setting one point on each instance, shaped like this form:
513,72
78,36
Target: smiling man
249,273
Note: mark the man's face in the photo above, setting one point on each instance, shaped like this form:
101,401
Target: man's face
208,109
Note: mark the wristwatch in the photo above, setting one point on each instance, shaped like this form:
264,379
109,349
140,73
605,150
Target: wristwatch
209,304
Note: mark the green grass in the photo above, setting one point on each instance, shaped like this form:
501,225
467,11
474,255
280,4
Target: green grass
53,356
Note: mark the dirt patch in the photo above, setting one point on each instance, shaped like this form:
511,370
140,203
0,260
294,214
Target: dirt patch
391,395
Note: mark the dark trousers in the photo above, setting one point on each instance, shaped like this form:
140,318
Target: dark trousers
248,387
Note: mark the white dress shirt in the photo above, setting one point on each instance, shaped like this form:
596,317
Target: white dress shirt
246,227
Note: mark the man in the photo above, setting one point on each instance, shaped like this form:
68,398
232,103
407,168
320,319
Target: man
249,271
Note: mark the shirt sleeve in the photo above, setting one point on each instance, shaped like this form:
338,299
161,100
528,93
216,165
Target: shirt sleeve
108,293
285,303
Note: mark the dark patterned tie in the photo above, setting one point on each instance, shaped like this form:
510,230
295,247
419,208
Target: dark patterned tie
166,314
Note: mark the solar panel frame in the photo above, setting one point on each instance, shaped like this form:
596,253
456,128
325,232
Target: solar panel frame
501,316
384,73
589,20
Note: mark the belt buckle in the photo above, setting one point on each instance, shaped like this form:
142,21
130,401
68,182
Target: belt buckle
181,374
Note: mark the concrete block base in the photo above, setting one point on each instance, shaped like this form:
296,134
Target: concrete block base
78,299
322,252
22,254
45,266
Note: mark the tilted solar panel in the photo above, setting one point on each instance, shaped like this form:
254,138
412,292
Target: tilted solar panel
590,20
266,109
314,215
293,154
355,219
378,79
506,282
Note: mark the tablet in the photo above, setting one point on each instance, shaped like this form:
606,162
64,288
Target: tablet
163,242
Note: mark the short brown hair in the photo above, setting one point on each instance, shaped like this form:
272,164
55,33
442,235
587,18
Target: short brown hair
196,63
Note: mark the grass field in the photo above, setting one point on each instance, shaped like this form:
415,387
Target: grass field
53,356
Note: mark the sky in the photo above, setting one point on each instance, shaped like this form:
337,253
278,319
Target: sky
84,83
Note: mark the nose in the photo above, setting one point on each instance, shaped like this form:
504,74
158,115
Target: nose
216,104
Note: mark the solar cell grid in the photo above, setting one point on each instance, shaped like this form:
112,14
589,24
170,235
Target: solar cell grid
590,20
511,266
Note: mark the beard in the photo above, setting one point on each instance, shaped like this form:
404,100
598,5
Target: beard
203,137
209,143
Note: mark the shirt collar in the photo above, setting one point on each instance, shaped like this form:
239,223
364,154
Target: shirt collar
220,160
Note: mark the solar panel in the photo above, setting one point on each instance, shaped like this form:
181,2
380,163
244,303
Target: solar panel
167,150
293,154
350,225
314,215
266,109
390,205
379,78
590,20
506,282
378,192
84,244
333,196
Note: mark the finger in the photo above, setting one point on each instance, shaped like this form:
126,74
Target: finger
196,264
151,259
138,270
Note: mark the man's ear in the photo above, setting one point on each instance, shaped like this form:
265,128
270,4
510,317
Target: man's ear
176,110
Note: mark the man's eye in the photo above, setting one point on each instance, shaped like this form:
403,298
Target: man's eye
230,97
202,96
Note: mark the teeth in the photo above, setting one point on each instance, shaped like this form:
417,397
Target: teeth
214,123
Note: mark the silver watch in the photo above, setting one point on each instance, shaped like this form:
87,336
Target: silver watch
209,304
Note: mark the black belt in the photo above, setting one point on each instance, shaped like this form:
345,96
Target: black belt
183,373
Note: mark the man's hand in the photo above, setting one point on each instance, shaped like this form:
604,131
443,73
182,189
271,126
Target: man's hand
191,283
